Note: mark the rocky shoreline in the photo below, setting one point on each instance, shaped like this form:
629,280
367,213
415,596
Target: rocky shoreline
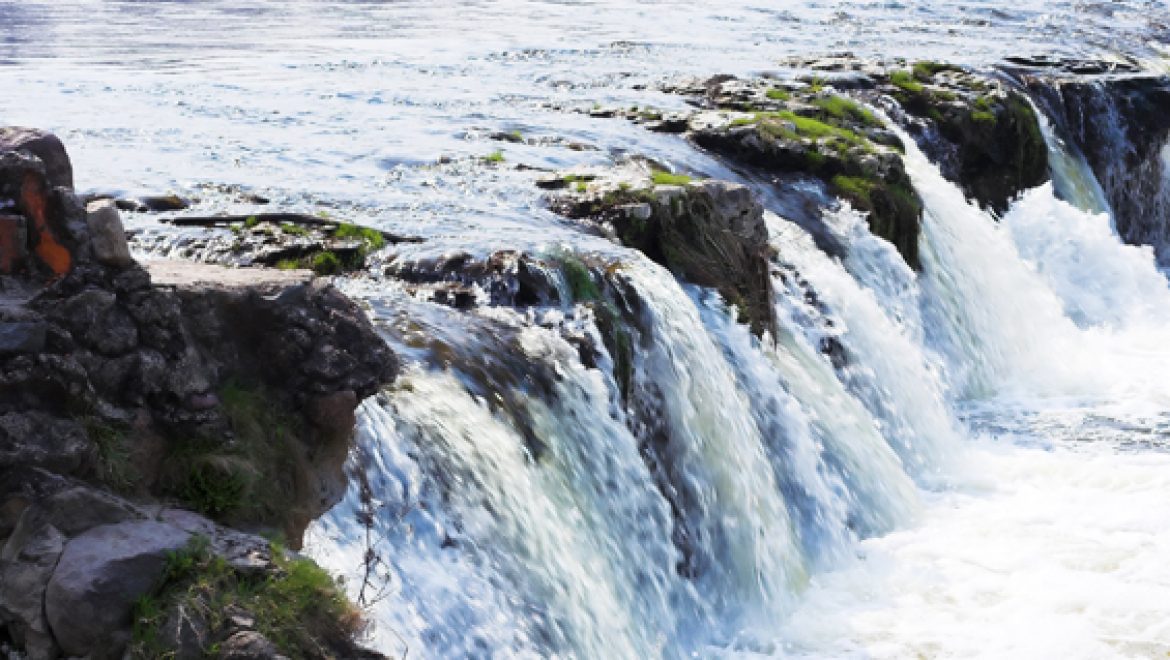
155,420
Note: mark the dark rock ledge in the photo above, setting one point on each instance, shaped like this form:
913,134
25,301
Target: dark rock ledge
154,419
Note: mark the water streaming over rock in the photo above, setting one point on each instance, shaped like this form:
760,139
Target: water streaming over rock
964,461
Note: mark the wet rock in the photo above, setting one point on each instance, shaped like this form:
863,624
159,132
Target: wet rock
984,136
157,203
710,233
100,575
508,277
790,131
1120,125
46,147
108,234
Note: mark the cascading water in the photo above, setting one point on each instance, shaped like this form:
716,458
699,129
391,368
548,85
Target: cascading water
749,494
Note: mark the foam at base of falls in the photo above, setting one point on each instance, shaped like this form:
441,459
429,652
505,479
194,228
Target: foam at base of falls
1037,554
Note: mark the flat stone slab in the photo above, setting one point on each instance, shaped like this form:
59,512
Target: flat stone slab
187,273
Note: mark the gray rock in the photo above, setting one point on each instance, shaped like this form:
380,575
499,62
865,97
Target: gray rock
35,439
22,337
43,145
22,597
108,235
100,575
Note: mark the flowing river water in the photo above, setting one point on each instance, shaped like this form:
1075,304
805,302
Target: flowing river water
987,477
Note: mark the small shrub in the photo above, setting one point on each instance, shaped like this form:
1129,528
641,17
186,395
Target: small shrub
496,157
251,221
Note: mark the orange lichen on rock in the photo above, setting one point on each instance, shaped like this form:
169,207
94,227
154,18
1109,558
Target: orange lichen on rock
34,203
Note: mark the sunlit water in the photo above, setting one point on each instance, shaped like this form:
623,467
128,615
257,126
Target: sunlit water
986,476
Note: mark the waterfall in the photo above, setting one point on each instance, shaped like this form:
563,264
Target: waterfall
510,498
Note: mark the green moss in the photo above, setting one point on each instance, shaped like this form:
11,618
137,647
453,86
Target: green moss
293,229
667,179
855,188
925,69
326,263
215,485
247,478
904,80
816,84
983,117
289,264
371,238
298,607
251,221
777,94
582,187
494,157
579,279
841,108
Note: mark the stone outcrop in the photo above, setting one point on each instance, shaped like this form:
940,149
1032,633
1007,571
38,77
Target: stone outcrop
131,393
984,136
1119,123
812,132
710,233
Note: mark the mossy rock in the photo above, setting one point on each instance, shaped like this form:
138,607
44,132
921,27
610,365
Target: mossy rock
826,135
986,138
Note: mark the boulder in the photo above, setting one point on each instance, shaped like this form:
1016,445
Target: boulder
710,233
100,576
45,146
24,573
107,234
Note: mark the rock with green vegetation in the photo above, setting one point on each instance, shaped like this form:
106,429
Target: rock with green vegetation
130,399
815,131
983,135
710,233
288,241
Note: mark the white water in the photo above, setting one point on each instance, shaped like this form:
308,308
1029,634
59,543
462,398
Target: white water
1044,548
984,477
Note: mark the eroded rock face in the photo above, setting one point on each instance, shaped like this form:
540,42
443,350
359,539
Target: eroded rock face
710,233
1121,126
814,132
233,395
984,136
